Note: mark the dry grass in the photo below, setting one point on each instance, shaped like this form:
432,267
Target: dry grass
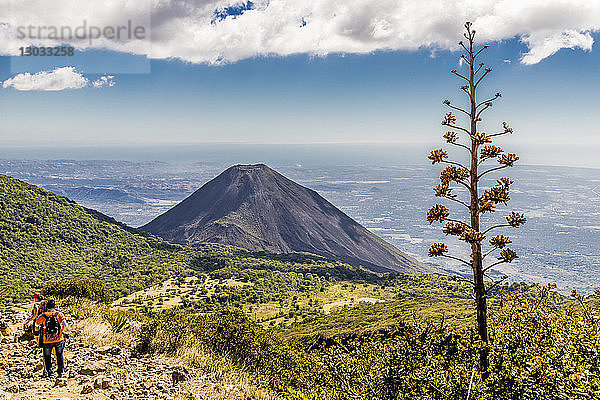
95,330
218,378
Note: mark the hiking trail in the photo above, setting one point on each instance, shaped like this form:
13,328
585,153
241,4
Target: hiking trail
93,372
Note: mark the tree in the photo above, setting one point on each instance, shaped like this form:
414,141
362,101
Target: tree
480,149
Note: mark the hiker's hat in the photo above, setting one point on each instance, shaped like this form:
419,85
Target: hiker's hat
36,296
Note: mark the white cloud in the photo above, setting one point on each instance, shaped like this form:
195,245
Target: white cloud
544,46
188,29
58,79
106,80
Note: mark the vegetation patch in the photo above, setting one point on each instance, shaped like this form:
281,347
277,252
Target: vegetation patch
92,289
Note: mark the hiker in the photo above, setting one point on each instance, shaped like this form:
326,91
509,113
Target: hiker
29,325
51,325
4,331
43,307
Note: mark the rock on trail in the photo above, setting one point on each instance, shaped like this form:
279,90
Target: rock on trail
90,372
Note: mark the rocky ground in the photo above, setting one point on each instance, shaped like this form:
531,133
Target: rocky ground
93,372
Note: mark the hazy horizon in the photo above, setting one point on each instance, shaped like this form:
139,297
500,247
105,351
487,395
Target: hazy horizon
395,153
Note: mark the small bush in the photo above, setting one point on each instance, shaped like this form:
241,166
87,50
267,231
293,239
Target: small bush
117,320
92,289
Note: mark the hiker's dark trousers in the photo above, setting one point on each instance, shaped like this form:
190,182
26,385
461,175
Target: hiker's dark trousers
60,361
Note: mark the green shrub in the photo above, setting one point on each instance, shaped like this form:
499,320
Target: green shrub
92,289
538,350
118,320
228,333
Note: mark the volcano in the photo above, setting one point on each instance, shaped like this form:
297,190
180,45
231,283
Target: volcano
256,208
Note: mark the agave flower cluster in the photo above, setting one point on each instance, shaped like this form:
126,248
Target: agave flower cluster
507,255
451,137
472,236
437,156
453,174
516,219
499,193
438,213
490,152
508,159
438,249
500,241
481,138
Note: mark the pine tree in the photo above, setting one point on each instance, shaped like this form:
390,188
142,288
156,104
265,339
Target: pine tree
479,148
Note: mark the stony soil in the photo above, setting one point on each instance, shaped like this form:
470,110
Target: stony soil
91,372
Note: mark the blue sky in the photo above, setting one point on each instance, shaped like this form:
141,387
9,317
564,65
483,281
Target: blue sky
392,96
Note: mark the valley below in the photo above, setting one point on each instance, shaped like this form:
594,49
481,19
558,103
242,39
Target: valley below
561,243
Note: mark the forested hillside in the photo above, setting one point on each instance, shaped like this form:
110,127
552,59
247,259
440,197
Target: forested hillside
46,237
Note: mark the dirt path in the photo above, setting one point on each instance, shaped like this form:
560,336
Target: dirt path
90,372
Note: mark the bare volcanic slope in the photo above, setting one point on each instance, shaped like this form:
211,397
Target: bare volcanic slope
255,207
